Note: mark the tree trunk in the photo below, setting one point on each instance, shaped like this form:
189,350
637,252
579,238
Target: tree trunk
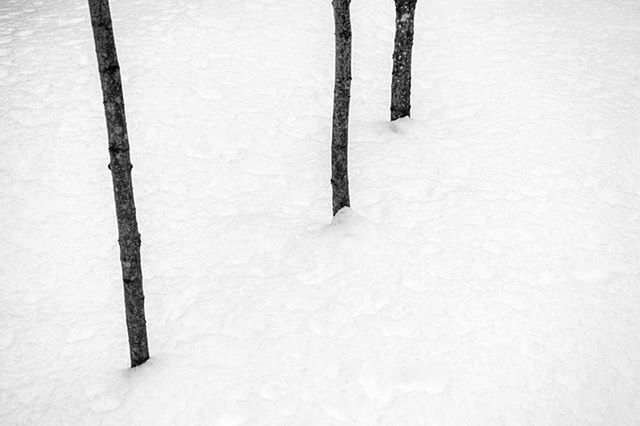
341,99
401,78
120,166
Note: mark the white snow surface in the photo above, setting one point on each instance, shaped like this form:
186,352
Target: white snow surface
488,272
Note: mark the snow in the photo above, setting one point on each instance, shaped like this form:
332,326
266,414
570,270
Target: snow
486,274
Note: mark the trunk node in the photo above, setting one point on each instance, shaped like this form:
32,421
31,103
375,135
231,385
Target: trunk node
403,44
341,100
120,166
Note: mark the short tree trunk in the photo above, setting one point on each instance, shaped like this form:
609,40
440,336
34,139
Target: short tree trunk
120,166
401,78
341,99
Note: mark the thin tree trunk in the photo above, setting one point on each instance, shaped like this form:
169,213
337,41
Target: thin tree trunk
401,78
341,99
120,165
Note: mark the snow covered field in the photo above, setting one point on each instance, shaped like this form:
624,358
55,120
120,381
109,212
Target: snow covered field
488,273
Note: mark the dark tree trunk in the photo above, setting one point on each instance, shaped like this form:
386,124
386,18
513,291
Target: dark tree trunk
401,79
120,166
341,99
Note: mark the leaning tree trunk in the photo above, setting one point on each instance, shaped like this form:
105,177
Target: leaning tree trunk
120,166
401,79
341,99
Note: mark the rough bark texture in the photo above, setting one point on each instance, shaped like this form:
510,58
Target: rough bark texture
401,78
120,165
341,100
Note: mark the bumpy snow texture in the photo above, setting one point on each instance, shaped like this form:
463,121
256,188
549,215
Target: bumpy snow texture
488,273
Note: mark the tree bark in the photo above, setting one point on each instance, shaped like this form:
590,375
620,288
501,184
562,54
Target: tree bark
341,100
120,166
401,76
